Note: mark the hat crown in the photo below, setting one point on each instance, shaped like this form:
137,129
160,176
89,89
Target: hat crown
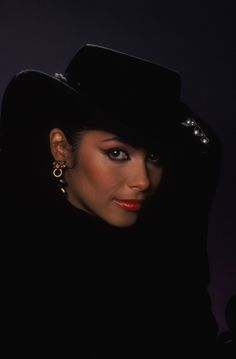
106,72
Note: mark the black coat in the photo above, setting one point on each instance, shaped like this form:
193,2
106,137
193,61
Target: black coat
116,291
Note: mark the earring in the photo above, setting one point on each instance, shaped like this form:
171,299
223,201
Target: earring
58,170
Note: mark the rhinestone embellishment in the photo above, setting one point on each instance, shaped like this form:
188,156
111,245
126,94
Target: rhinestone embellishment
197,131
60,77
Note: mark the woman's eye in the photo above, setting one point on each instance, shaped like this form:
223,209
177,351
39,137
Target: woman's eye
153,157
117,154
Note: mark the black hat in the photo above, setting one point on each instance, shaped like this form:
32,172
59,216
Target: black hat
105,89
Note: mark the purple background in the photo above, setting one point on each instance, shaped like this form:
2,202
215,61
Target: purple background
195,38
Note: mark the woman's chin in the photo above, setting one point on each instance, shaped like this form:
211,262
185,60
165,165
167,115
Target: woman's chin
123,221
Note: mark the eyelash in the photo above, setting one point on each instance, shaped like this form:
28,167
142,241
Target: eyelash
110,153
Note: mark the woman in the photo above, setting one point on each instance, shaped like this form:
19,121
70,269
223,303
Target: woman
116,177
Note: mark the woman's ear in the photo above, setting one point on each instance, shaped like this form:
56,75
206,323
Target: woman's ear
61,150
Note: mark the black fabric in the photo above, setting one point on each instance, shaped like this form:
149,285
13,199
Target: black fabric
119,291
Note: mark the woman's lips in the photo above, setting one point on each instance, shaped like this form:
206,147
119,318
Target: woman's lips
132,205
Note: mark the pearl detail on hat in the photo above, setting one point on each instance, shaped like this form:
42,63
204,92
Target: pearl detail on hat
197,131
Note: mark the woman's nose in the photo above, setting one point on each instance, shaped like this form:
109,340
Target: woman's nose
139,177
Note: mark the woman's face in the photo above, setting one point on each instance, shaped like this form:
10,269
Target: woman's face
110,178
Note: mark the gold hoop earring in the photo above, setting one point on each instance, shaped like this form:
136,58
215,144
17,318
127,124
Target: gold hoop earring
58,171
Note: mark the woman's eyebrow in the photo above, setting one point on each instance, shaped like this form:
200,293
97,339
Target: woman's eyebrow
115,138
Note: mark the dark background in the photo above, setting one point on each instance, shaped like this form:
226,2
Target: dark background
195,38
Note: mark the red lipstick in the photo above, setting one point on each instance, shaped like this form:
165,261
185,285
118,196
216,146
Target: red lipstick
132,205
